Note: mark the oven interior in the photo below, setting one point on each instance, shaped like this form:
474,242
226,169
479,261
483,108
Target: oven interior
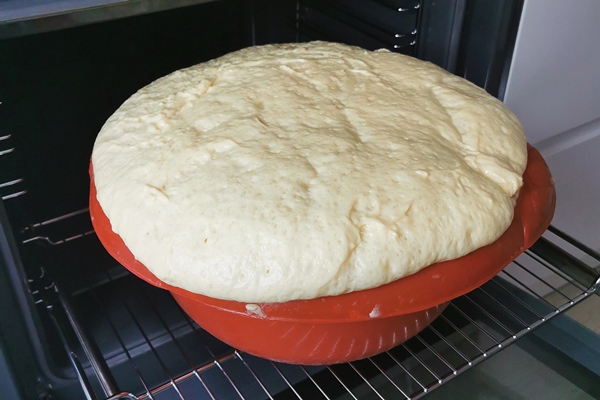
76,323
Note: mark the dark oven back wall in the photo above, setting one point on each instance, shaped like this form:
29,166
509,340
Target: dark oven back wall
58,88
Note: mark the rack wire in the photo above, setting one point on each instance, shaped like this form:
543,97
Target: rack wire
153,350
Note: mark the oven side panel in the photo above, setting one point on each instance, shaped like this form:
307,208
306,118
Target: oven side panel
471,38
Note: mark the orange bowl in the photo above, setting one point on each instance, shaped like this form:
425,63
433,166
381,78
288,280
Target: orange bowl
360,324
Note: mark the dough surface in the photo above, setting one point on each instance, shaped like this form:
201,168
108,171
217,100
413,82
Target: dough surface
297,171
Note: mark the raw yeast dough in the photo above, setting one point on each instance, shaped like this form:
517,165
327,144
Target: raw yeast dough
296,171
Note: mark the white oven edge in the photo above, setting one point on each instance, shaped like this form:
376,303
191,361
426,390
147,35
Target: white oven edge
554,89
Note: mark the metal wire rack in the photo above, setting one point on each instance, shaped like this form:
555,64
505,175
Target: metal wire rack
134,337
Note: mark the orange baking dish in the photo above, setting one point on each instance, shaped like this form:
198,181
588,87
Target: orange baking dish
360,324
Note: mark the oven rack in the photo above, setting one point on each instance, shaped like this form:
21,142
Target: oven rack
134,342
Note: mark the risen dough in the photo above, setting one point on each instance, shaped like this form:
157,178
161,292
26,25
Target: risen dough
297,171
